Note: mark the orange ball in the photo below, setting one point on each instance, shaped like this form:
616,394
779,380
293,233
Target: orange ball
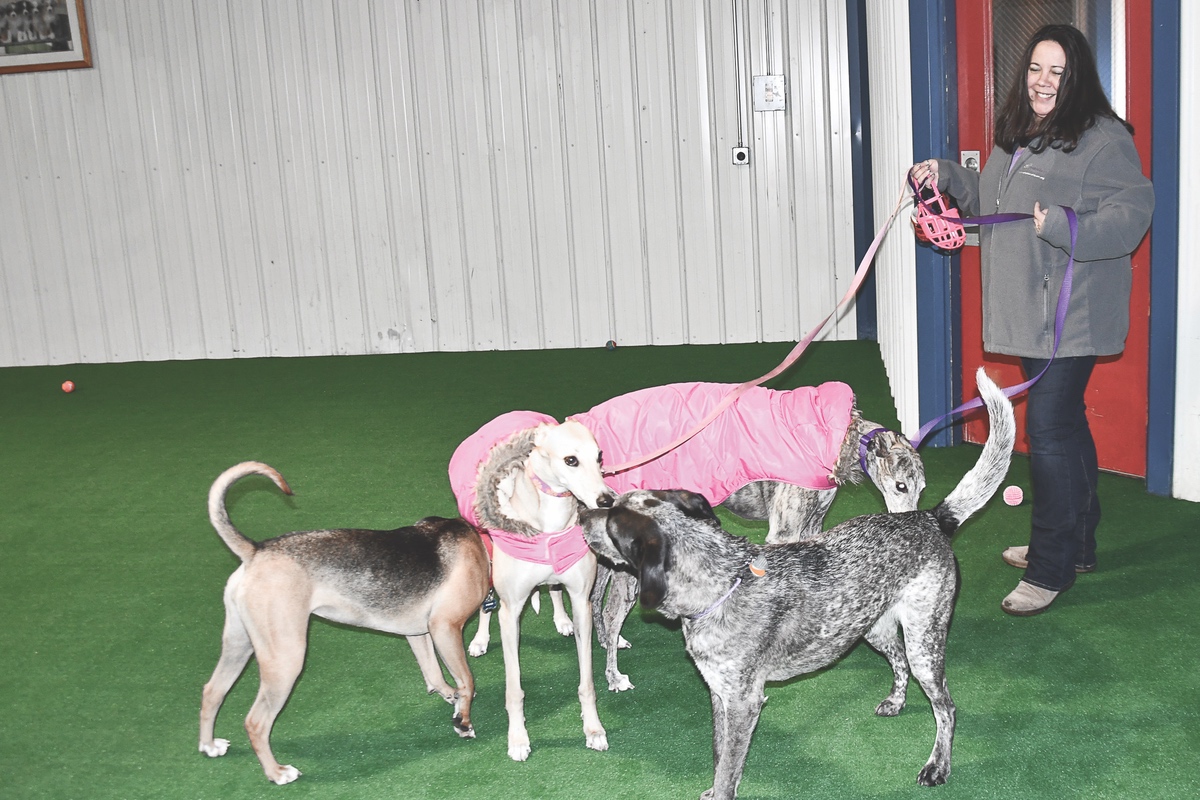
68,386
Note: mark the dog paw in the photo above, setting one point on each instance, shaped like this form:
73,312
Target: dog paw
215,748
285,775
597,740
934,774
477,648
445,692
623,643
464,731
619,683
519,751
889,708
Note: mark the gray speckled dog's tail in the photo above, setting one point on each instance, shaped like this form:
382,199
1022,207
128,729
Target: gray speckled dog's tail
978,485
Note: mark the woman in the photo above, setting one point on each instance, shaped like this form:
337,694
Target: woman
1058,143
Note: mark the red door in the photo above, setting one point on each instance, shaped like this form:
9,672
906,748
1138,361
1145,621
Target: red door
1117,394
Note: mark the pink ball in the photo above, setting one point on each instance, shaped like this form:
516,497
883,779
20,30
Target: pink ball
68,386
1013,495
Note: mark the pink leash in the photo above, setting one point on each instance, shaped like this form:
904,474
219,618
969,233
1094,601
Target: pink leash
728,400
945,218
924,211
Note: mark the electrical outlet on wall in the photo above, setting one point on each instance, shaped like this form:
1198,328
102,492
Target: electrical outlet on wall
741,156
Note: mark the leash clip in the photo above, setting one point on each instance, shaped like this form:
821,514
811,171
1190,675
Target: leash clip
758,567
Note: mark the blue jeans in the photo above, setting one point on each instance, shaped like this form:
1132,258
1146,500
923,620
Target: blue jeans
1063,472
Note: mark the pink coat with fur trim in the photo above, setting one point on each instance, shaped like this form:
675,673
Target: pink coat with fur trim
561,549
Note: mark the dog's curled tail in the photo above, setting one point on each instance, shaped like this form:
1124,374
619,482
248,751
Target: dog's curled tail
241,546
978,485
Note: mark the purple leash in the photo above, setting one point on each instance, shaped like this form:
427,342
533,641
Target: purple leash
1060,313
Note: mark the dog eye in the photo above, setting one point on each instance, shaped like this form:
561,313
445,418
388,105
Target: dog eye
571,461
902,487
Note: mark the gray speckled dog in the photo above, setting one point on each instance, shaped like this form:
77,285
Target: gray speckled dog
795,513
753,614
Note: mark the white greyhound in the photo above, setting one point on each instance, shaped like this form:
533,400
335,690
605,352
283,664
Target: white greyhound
523,476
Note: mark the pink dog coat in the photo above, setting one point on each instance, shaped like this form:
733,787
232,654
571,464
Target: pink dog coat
560,549
791,436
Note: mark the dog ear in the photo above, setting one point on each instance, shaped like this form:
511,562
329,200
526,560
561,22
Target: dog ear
638,539
692,504
626,530
653,569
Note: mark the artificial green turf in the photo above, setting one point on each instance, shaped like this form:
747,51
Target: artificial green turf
111,580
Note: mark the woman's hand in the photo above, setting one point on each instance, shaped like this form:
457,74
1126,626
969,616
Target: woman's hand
1039,217
925,173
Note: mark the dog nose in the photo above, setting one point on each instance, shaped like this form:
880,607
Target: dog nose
605,501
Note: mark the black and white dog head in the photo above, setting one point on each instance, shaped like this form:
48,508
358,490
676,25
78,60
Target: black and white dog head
639,532
895,467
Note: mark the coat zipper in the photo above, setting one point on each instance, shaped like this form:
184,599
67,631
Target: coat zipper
1045,304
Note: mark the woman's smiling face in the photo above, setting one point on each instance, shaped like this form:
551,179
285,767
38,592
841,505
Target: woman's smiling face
1046,67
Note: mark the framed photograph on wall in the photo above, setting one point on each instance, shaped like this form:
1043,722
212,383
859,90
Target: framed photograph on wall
38,35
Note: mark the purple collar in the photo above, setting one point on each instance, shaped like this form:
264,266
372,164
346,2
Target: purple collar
863,444
717,604
544,487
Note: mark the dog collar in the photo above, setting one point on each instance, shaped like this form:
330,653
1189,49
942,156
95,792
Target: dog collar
717,604
757,567
863,444
544,487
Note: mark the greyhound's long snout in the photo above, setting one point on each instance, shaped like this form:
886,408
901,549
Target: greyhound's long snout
605,500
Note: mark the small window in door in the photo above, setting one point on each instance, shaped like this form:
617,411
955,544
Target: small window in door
1102,22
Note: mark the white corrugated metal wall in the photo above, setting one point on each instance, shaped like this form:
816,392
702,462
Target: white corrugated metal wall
1186,481
891,155
281,178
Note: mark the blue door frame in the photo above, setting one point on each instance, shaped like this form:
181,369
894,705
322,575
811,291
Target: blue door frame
935,133
1164,250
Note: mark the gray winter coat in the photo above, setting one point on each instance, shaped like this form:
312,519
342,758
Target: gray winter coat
1102,181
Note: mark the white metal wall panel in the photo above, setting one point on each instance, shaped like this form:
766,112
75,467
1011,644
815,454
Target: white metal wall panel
622,203
228,249
737,275
382,321
129,135
1186,479
582,149
547,167
27,318
820,168
772,196
404,202
891,156
658,78
508,184
272,178
699,273
261,129
472,318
